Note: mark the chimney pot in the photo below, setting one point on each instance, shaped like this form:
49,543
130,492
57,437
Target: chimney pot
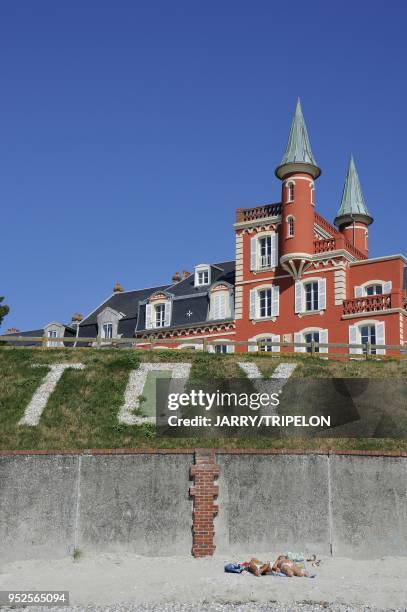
77,317
118,288
176,277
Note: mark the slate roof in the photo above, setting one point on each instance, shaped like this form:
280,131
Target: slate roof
38,333
190,304
127,303
353,202
189,307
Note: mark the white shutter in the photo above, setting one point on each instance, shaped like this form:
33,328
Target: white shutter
323,338
167,314
275,348
148,316
230,348
298,338
252,348
298,296
222,305
387,286
354,339
252,309
274,250
275,300
322,294
380,337
253,253
358,292
210,348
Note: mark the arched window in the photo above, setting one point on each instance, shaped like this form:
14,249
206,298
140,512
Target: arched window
290,226
312,194
290,191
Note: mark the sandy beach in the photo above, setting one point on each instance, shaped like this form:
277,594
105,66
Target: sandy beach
109,578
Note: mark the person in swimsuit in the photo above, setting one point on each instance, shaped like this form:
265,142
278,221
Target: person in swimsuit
289,568
258,568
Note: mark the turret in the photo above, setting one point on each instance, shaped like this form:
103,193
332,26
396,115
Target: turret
298,170
353,217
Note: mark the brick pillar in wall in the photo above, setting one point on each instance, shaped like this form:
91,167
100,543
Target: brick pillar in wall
203,492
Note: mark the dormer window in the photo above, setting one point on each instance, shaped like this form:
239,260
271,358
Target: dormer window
220,302
202,275
107,330
158,311
160,315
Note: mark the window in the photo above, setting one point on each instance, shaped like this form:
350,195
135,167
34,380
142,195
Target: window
264,302
311,296
290,192
290,227
373,287
312,194
160,315
311,337
107,330
52,333
368,334
265,299
265,345
221,348
265,252
202,275
220,305
374,290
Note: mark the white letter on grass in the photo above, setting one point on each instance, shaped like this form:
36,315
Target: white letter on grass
40,398
135,386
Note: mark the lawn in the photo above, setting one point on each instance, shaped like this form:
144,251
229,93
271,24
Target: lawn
82,411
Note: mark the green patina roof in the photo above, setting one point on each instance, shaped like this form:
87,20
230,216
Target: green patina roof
353,202
298,147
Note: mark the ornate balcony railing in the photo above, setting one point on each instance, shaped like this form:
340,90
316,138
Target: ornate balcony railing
324,245
259,212
368,303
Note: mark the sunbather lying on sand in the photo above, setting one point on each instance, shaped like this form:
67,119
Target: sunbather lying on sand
289,568
258,568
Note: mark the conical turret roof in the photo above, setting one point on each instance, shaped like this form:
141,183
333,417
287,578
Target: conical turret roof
353,205
298,151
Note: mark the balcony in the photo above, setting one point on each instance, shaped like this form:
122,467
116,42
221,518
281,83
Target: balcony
323,246
259,212
368,303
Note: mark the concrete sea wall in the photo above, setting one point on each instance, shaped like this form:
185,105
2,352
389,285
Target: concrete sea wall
341,504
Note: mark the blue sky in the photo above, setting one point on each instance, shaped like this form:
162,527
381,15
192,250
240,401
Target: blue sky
130,132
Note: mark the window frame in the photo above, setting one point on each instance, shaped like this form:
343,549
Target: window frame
290,191
109,326
290,226
314,295
159,315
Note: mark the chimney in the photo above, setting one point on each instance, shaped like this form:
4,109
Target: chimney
118,288
185,273
12,330
176,277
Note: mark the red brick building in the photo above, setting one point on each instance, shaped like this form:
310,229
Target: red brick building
295,278
299,278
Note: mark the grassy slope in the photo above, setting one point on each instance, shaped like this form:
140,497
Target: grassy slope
82,412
